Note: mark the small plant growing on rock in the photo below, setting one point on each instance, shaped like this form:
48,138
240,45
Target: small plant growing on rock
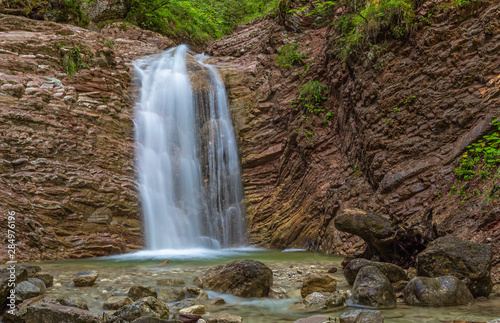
312,95
289,55
72,62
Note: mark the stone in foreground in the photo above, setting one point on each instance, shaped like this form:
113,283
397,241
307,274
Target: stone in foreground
361,316
137,291
47,278
25,290
43,313
195,309
313,319
147,306
318,283
116,302
372,288
85,279
244,278
440,291
468,261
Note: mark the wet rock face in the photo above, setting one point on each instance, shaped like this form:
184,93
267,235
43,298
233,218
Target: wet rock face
372,288
244,278
468,261
394,162
440,291
67,163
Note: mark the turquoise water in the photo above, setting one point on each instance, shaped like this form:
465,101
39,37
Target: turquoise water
118,274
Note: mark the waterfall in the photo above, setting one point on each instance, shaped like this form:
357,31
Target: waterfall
186,154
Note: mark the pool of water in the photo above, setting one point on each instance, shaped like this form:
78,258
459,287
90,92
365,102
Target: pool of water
117,274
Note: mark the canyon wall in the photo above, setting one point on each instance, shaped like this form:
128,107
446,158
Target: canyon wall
67,138
404,112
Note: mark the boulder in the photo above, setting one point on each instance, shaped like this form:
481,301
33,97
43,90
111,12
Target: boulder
137,291
38,283
170,294
84,279
326,300
7,277
372,288
338,298
31,269
376,230
223,318
468,261
147,306
244,278
195,309
102,10
47,278
392,272
171,282
318,283
43,313
361,316
25,290
198,282
116,302
189,318
440,291
191,291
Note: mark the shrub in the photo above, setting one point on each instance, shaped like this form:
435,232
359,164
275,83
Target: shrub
311,96
289,55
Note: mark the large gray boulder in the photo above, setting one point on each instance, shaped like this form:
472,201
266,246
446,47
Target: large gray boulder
9,275
392,272
100,10
372,288
440,291
25,290
244,278
468,261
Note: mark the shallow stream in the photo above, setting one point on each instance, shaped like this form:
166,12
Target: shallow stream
118,274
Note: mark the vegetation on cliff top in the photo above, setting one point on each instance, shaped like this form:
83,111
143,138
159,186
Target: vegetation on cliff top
199,20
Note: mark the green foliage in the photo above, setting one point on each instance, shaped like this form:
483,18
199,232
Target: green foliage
311,96
72,62
289,55
367,22
463,3
481,157
71,11
198,20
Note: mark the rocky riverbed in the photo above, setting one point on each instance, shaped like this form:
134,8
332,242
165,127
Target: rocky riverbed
127,289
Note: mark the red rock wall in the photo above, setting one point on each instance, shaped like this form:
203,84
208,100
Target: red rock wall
67,142
397,162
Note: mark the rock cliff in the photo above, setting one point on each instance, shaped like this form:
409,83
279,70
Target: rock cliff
404,111
67,140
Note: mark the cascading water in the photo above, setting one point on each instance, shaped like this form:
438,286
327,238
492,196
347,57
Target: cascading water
187,157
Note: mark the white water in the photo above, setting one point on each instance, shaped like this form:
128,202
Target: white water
187,157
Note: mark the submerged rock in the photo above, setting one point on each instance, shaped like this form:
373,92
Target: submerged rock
147,306
85,279
244,278
137,291
361,316
43,313
372,288
468,261
440,291
392,272
170,294
313,319
318,283
277,293
171,282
